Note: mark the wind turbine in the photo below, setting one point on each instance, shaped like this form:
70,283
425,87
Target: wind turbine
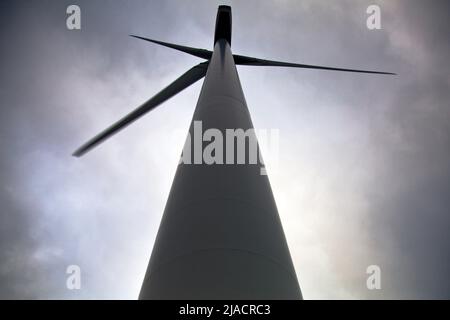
220,236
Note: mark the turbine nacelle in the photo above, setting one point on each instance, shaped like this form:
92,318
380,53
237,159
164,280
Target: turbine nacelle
223,24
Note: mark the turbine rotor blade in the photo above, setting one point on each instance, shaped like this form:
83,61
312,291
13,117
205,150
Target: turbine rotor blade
250,61
191,76
201,53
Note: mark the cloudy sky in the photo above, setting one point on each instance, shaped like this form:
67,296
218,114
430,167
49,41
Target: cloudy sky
363,175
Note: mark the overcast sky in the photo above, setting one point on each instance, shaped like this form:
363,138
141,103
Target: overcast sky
364,165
